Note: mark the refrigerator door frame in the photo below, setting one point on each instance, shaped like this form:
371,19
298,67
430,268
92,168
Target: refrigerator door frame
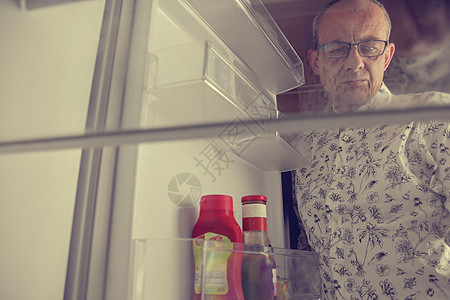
89,253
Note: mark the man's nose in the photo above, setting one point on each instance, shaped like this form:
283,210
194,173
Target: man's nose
354,60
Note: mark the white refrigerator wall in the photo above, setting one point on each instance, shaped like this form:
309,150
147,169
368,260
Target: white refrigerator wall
170,179
47,58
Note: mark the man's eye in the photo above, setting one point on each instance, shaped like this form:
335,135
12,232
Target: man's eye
338,51
368,49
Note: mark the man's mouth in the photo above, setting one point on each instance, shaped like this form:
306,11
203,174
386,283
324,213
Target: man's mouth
355,83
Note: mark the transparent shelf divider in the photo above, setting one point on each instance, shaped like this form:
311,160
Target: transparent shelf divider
288,124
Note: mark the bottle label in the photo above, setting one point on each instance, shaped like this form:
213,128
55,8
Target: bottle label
254,210
274,281
254,217
214,272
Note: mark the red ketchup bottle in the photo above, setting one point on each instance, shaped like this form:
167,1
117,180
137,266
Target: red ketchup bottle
259,277
222,277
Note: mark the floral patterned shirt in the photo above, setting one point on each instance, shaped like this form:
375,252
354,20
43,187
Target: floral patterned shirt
375,203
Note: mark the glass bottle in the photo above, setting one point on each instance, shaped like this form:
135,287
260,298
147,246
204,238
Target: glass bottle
222,277
259,278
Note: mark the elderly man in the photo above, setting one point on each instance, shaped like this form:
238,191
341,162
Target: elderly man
374,200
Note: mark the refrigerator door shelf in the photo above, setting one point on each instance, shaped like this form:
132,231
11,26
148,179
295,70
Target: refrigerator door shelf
159,264
194,83
256,38
268,152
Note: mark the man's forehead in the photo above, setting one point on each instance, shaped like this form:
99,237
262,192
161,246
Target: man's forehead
363,21
360,8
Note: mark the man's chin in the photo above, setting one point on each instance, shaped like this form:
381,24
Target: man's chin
354,98
351,101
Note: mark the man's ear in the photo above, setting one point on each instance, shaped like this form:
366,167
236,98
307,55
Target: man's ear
388,54
313,57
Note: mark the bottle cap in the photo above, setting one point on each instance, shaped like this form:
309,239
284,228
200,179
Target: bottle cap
254,198
216,202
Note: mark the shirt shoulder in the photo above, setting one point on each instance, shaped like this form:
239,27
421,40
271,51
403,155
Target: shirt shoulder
426,99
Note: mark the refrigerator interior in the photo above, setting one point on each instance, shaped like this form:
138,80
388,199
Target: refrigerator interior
90,209
196,68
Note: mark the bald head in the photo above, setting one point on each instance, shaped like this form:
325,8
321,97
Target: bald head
351,6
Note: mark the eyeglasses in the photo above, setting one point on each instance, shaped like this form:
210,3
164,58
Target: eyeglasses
336,50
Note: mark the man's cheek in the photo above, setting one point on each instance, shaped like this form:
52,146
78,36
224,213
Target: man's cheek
329,83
